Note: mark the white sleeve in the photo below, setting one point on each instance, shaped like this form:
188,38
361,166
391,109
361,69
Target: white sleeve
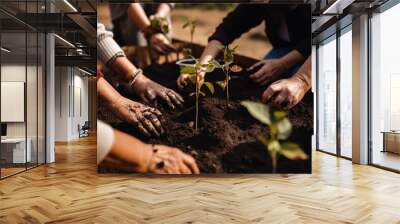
107,48
105,139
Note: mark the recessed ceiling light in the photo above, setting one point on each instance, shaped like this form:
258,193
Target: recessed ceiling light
5,50
70,6
64,41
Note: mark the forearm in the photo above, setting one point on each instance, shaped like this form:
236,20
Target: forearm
138,16
210,52
163,10
131,150
106,92
292,58
304,73
124,68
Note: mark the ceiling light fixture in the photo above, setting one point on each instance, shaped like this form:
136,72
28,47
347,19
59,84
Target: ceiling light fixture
64,41
5,50
84,71
337,7
70,5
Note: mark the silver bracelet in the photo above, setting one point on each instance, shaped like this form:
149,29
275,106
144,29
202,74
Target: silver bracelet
134,76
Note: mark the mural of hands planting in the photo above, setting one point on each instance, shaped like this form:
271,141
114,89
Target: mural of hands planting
215,103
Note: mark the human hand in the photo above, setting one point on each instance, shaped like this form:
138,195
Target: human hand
160,44
183,79
146,119
168,160
269,71
286,92
149,91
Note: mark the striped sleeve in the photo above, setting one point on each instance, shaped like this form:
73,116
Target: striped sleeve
107,48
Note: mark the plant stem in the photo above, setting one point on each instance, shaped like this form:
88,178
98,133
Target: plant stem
227,88
274,161
197,102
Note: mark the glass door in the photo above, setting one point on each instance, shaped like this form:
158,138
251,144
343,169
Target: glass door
385,89
345,43
326,99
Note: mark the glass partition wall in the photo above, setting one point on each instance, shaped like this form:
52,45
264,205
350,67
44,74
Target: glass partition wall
334,94
385,89
22,77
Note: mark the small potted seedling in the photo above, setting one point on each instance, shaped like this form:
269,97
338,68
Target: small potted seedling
226,66
280,129
193,72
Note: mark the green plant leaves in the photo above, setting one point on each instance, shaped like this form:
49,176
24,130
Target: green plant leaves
160,24
259,111
210,86
221,84
284,129
208,67
188,70
292,151
279,115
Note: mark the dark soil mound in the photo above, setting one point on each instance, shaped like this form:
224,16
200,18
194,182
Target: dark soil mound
226,139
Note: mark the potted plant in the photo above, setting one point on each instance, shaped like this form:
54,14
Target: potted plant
280,130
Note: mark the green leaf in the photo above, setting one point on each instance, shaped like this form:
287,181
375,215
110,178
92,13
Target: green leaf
188,70
215,63
221,47
210,86
263,140
279,115
208,67
259,111
221,84
274,146
292,151
284,129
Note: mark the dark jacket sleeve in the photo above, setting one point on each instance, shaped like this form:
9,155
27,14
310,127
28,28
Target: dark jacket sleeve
302,30
237,22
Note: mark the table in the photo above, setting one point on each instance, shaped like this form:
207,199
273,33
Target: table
391,141
13,150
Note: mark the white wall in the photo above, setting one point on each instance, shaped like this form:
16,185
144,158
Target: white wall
71,94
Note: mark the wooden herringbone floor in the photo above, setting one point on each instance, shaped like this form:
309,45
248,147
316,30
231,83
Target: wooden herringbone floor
70,191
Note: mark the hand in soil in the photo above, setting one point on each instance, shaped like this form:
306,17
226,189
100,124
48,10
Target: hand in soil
149,91
285,93
269,71
168,160
184,79
160,44
146,119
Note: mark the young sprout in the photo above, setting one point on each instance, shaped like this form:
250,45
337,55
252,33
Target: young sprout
226,68
160,24
193,72
192,27
280,129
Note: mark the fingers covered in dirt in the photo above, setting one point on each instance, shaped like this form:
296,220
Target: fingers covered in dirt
146,119
150,91
168,160
285,93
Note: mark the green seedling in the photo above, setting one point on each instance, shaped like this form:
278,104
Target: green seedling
226,68
191,24
280,130
160,24
193,72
